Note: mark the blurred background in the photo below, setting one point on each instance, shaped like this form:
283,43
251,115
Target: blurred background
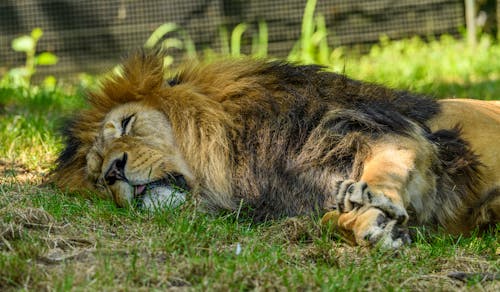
92,35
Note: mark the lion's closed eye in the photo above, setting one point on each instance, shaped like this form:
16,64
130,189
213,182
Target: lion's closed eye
126,124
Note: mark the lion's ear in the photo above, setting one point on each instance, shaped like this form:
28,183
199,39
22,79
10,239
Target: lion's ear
144,71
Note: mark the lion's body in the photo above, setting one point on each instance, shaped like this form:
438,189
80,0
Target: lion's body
287,140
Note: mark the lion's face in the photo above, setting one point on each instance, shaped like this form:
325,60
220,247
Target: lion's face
135,159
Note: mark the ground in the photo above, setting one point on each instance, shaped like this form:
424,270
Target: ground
53,241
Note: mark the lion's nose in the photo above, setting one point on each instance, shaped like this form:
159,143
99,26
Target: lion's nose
116,171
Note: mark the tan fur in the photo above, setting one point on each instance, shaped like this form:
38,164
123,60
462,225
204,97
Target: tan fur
480,124
236,130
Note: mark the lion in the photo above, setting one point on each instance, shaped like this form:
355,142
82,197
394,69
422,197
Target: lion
282,139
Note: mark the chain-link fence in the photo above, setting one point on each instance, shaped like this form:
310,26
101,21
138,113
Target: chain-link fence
92,35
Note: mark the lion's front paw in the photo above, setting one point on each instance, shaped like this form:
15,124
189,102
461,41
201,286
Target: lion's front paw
371,227
352,195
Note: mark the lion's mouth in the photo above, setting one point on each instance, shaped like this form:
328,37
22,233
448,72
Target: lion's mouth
158,194
175,181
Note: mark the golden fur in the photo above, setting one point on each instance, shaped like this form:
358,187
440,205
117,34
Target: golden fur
289,140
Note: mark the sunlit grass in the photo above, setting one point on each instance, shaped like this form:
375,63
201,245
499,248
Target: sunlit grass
29,124
445,67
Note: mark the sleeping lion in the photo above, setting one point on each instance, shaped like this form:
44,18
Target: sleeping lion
287,140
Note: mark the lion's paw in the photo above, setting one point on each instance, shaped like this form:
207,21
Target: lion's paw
385,234
352,195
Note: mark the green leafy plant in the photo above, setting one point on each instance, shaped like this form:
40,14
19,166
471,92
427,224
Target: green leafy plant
260,41
236,37
157,38
27,44
232,45
312,47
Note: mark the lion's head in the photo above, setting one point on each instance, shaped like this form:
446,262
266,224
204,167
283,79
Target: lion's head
123,147
145,137
135,156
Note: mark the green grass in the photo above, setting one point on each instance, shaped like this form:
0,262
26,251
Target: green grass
29,122
54,241
71,242
445,67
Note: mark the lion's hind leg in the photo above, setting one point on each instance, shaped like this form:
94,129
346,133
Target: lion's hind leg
488,211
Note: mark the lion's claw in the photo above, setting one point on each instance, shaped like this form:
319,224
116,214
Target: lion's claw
352,195
384,227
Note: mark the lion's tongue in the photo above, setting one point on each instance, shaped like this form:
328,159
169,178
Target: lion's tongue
139,189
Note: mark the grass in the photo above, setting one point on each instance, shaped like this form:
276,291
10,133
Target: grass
59,242
54,241
29,121
443,67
